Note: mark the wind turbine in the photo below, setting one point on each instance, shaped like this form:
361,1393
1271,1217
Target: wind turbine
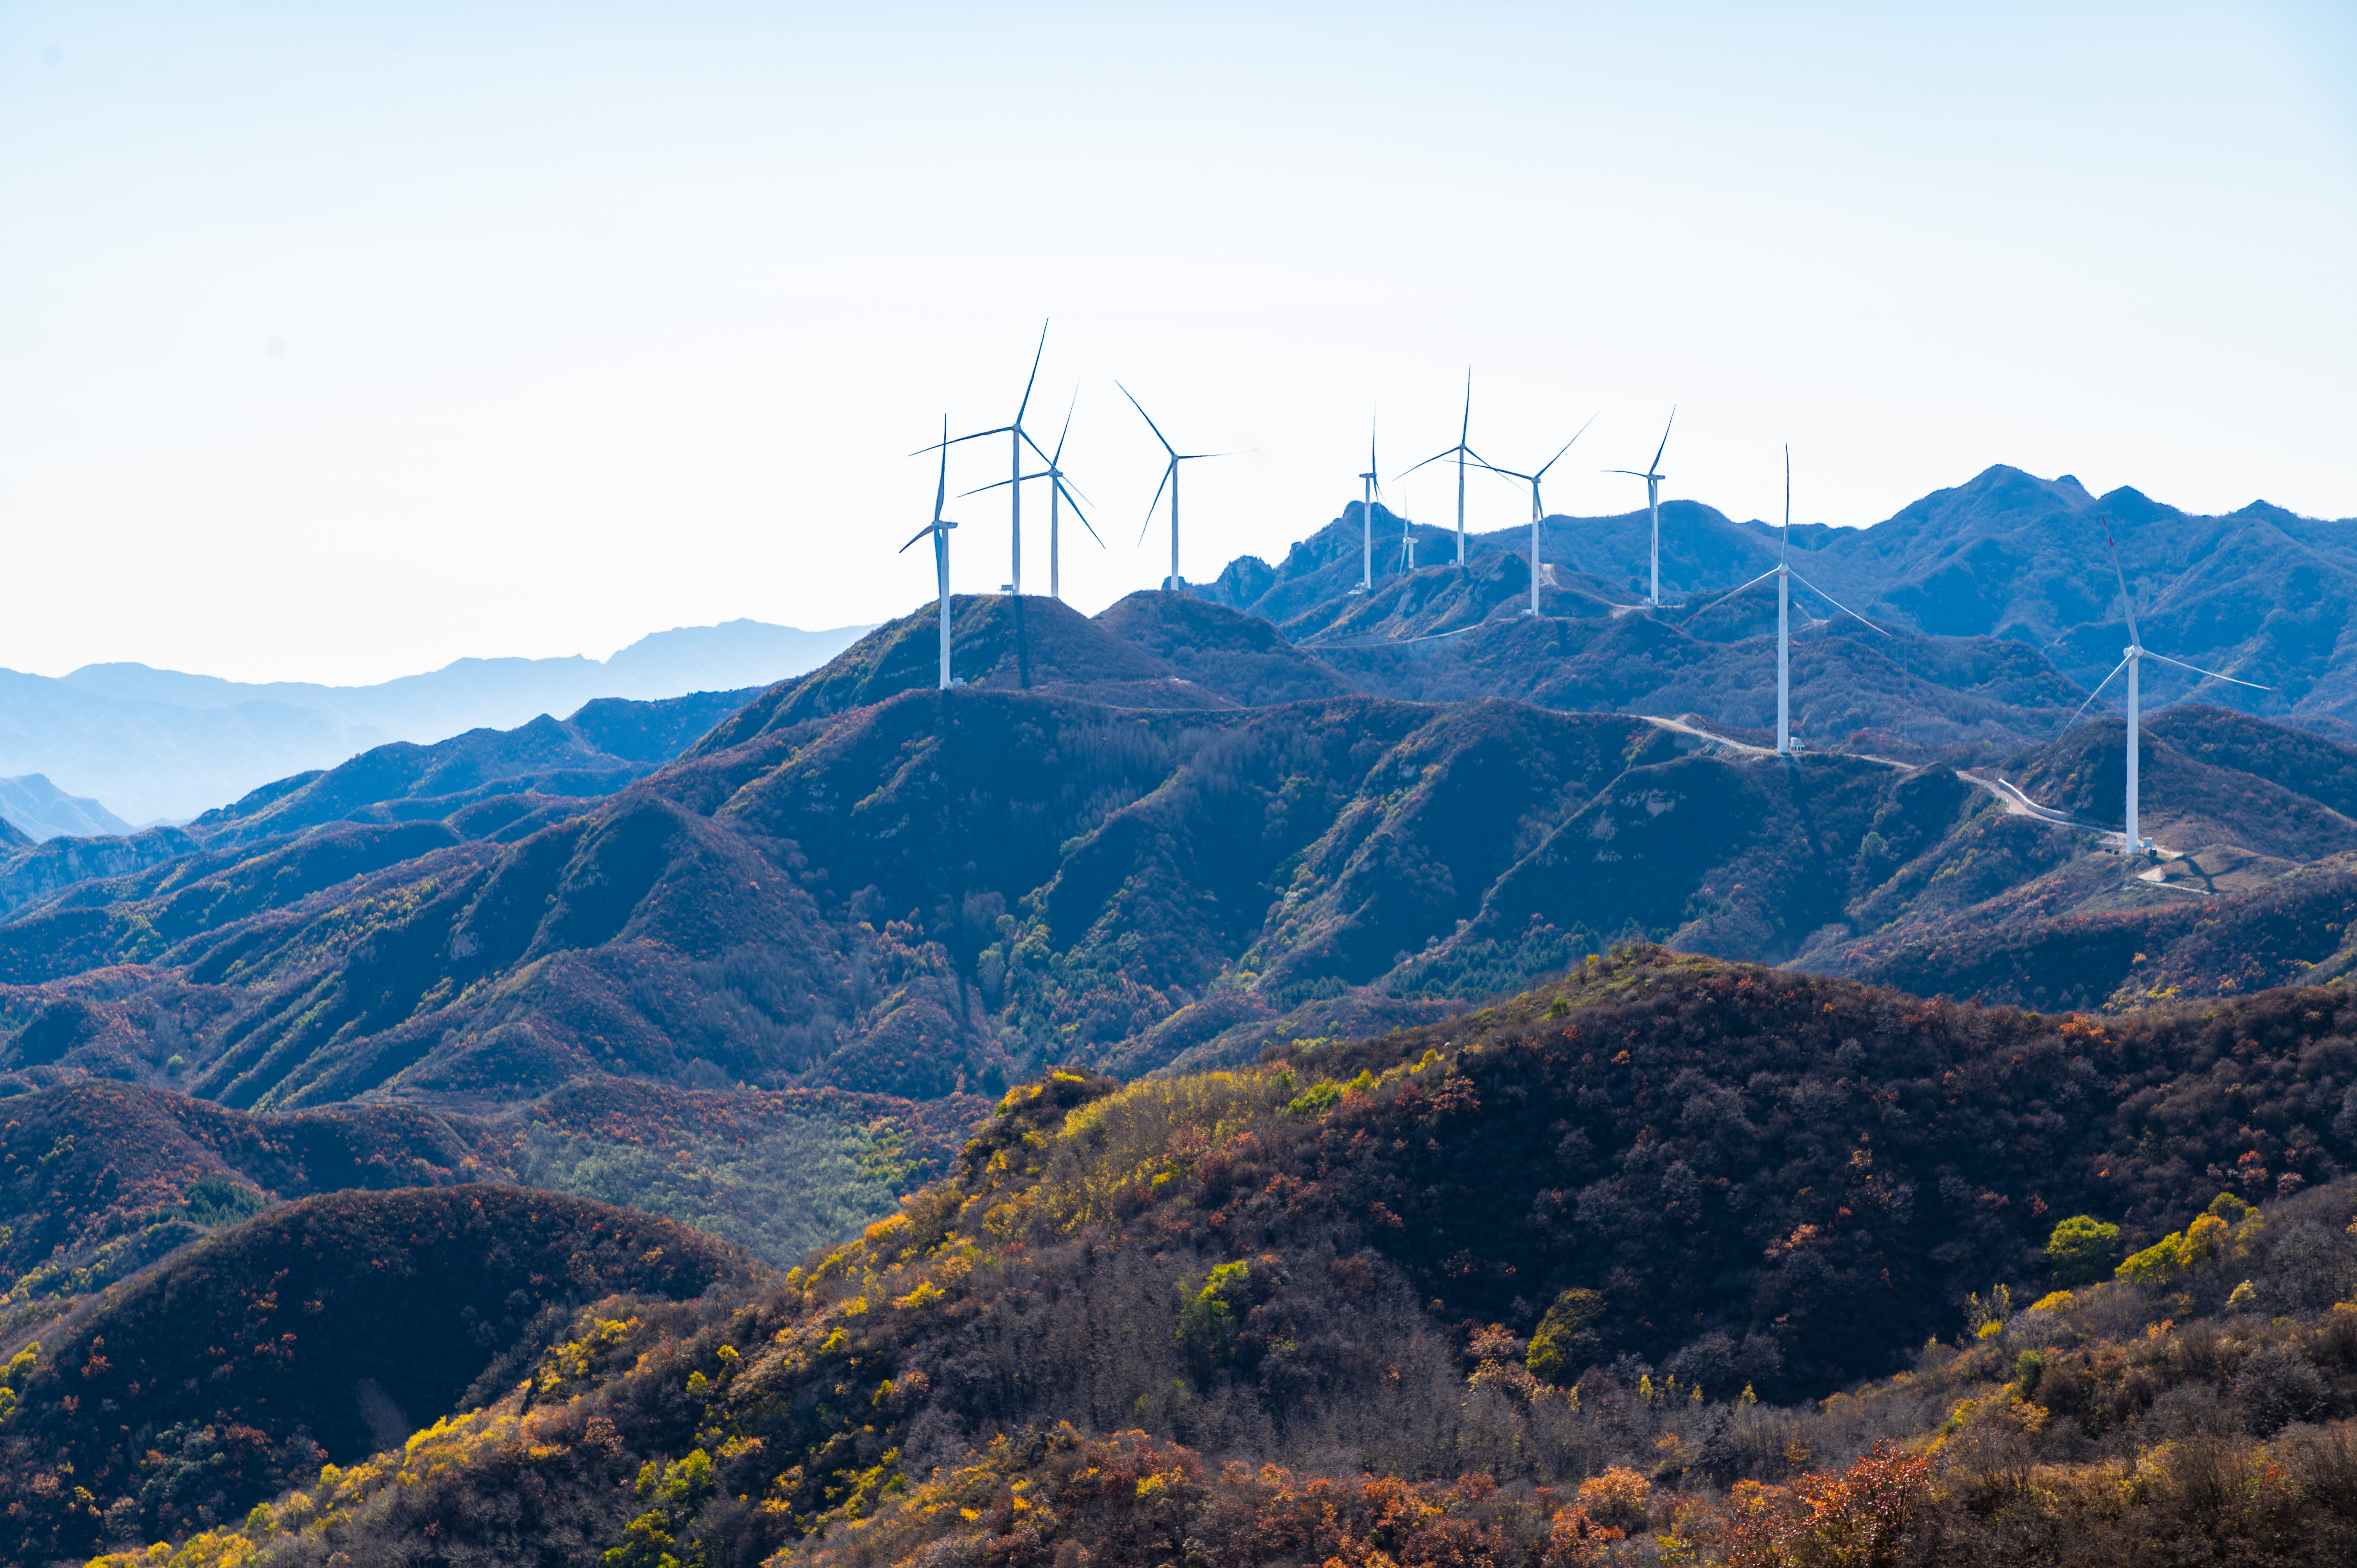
1057,493
1371,486
1016,440
1460,452
1536,509
1652,476
2130,843
1170,479
939,529
1784,575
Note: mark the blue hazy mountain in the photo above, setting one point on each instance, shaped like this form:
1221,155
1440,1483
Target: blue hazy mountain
2260,593
164,745
39,809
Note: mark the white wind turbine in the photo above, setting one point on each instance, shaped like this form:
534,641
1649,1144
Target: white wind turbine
1652,476
1371,485
939,529
1059,492
1017,438
2130,843
1537,509
1170,478
1785,576
1460,452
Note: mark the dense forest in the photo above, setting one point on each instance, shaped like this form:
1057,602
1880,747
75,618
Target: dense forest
1670,1260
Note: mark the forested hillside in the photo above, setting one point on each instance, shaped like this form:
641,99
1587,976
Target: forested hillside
939,892
1567,1278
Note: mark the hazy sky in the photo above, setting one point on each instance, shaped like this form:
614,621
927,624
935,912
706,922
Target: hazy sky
339,342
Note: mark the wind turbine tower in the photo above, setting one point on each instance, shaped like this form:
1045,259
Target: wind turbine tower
1785,576
1371,486
1537,509
939,529
1170,479
1784,620
1059,493
1652,476
1460,452
1017,438
2131,842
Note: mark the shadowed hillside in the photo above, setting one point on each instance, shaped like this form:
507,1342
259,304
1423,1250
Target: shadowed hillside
311,1335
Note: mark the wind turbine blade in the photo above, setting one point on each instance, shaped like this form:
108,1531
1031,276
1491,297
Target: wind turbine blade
1465,430
942,485
1787,555
2097,693
920,533
1631,472
1412,467
1149,423
998,485
1838,604
1666,443
1167,472
1025,406
2213,674
1067,430
2127,605
1731,593
948,440
1526,478
1566,447
1066,491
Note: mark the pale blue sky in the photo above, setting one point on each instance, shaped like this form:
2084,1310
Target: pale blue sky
339,341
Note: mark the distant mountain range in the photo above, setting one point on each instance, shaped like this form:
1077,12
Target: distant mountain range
38,810
2259,594
160,745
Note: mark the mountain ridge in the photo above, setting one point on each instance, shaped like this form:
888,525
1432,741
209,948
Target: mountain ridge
164,744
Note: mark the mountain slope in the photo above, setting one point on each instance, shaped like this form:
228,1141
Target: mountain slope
1609,1222
910,898
486,783
317,1329
934,894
